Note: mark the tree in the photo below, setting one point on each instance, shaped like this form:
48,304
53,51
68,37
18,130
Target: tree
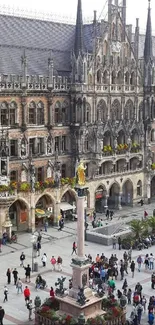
137,228
151,223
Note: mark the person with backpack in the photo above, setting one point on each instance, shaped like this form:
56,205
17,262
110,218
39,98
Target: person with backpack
30,307
74,248
59,263
22,259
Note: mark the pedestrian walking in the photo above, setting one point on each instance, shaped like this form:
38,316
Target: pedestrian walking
19,286
119,243
8,274
139,309
143,302
151,317
151,262
39,237
114,241
5,294
139,262
27,273
59,263
46,225
15,276
44,259
38,247
30,307
53,263
132,267
27,294
2,313
22,259
74,248
129,295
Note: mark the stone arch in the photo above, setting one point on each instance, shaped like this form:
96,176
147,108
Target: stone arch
114,193
129,110
105,77
121,137
127,193
106,168
47,197
71,191
116,110
87,113
18,213
139,188
57,112
121,165
102,111
135,136
44,202
107,139
68,203
65,111
32,113
100,198
119,77
40,113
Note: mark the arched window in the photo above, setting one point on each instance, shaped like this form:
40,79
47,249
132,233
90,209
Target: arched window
119,77
116,110
132,78
102,111
113,77
105,48
105,77
87,112
57,111
13,112
99,76
129,110
127,78
65,112
4,114
32,113
139,188
40,113
90,79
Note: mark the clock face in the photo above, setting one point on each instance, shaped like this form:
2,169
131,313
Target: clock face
115,47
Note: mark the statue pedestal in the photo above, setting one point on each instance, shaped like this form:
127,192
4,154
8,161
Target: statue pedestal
92,307
80,277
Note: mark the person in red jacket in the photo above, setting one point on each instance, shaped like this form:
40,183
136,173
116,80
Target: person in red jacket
52,293
27,294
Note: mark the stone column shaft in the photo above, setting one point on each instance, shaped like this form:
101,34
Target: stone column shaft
80,226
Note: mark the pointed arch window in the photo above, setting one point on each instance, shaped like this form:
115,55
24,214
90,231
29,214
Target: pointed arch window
129,110
132,79
87,113
113,78
99,76
102,111
105,77
116,110
13,113
32,113
119,77
4,114
40,113
127,78
65,107
57,112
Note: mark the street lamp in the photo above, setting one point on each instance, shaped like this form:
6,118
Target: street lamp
33,241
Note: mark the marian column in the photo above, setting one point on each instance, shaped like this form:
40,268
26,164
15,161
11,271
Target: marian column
80,264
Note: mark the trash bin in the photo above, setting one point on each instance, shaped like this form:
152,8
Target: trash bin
35,268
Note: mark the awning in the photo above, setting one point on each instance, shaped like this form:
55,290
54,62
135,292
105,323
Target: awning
65,206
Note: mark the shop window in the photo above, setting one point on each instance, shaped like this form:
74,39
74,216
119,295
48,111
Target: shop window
13,148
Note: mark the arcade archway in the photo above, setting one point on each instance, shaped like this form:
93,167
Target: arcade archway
18,213
68,205
153,188
44,209
100,199
113,200
127,193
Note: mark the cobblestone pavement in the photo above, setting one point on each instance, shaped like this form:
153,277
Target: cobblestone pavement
58,243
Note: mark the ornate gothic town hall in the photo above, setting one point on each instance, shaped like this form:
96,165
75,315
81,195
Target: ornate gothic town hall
75,92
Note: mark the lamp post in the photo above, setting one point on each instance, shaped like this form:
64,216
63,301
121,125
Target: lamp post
33,241
32,188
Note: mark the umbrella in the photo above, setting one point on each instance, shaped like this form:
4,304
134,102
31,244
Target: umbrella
42,213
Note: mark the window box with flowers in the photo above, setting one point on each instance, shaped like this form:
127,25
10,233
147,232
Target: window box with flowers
107,150
122,148
135,147
153,166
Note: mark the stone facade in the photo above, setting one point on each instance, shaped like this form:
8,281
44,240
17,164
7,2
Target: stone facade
94,112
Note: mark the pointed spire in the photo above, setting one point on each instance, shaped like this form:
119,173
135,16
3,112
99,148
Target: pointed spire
148,52
78,46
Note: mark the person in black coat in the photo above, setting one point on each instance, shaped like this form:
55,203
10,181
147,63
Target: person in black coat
27,273
2,313
8,274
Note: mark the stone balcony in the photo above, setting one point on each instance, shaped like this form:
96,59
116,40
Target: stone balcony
7,197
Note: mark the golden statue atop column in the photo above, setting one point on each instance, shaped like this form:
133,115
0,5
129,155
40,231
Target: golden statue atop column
81,177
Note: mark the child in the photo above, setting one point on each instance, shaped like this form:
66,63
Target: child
129,294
